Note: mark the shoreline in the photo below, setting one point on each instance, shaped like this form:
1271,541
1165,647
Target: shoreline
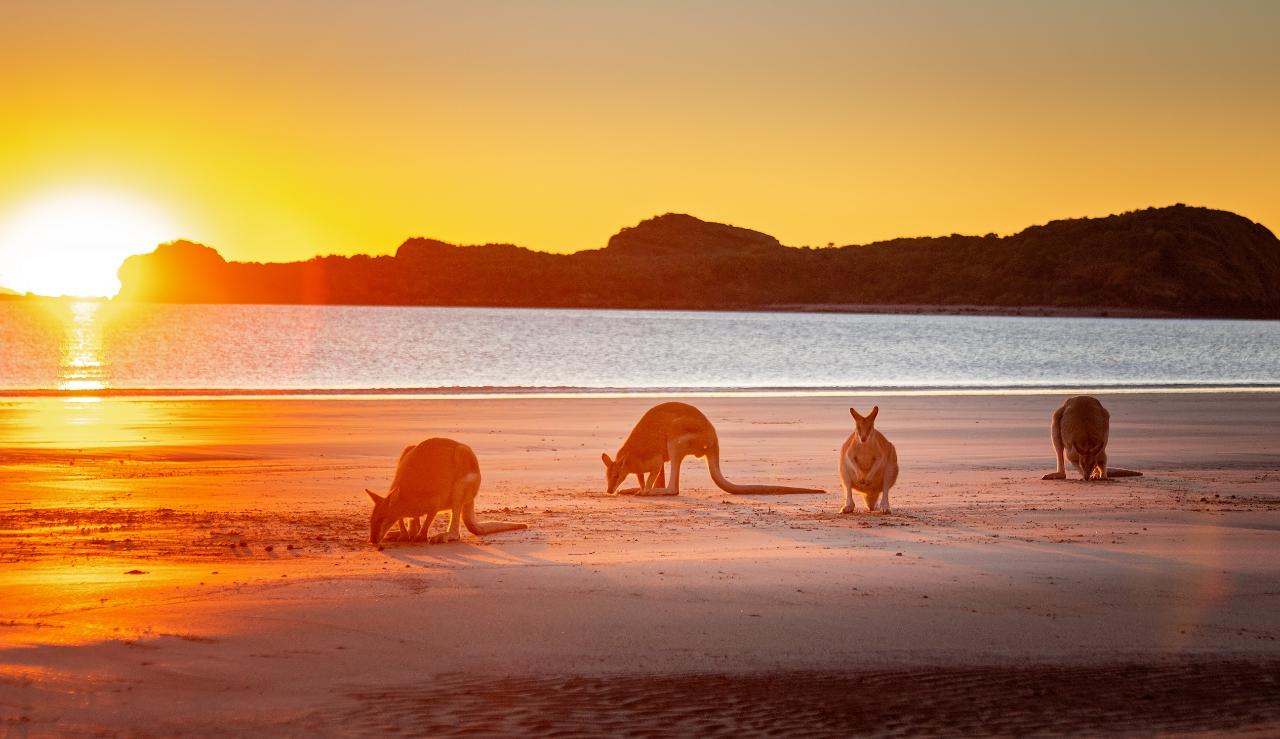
1024,311
904,309
516,392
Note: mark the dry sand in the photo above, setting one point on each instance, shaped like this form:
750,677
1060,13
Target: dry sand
990,602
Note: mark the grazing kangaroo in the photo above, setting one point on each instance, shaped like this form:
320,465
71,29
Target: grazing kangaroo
433,476
671,432
1080,428
868,464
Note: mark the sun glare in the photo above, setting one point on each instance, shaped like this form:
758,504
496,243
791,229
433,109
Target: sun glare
72,243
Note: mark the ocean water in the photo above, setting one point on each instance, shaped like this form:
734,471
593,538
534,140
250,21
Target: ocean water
109,347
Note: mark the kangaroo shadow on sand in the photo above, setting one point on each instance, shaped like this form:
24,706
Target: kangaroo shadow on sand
465,553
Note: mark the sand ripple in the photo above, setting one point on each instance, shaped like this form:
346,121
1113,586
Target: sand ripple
1117,699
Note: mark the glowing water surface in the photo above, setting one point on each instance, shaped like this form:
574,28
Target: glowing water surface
93,346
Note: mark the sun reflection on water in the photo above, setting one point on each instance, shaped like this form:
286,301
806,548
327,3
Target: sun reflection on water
82,367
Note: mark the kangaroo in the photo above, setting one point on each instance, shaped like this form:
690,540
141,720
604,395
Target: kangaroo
868,464
1079,429
433,476
669,432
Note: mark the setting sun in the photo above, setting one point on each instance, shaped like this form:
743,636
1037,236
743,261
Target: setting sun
72,242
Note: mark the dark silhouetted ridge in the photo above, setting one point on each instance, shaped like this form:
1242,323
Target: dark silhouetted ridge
676,234
1176,260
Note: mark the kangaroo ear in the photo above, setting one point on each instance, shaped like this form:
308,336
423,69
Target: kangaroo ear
853,412
872,415
376,498
607,462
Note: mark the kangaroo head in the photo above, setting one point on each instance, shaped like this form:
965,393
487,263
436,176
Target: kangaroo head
380,521
865,424
1093,458
614,473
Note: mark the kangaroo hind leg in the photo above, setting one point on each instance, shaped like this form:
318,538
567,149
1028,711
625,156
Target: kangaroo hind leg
1055,436
890,478
846,482
454,532
464,492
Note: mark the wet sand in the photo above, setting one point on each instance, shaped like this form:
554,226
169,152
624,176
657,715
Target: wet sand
171,566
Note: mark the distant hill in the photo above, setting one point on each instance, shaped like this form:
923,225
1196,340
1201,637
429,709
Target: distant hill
1176,260
679,235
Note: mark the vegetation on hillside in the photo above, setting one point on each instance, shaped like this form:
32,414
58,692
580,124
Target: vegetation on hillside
1181,260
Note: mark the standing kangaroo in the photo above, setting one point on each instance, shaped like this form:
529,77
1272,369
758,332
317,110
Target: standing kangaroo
433,476
1080,428
671,432
868,464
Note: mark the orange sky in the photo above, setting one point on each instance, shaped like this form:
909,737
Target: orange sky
279,130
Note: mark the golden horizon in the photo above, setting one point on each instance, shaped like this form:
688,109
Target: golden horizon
550,126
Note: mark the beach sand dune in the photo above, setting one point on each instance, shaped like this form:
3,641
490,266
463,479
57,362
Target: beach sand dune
199,566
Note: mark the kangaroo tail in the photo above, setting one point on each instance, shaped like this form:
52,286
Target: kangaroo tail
480,528
713,466
1122,472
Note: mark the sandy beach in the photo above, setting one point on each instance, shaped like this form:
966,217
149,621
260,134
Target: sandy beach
202,566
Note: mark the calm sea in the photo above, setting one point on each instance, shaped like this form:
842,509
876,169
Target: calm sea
94,346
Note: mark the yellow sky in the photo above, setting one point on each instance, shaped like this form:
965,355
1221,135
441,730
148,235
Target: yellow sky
279,130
